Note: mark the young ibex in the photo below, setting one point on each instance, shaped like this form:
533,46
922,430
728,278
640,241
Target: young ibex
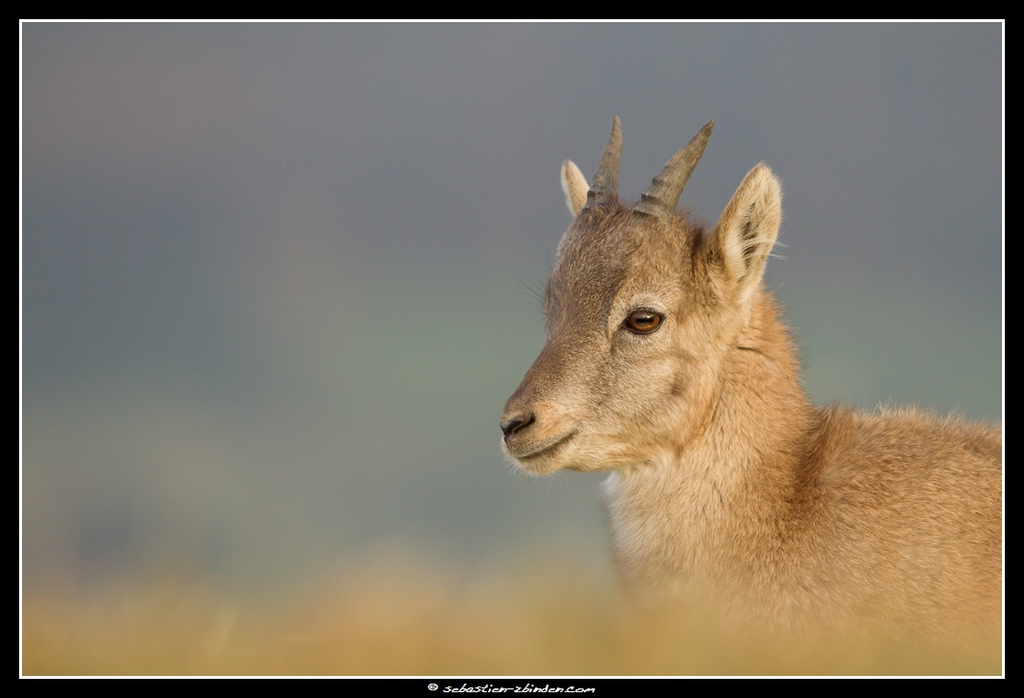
667,364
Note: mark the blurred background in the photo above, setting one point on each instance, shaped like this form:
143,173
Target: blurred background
278,279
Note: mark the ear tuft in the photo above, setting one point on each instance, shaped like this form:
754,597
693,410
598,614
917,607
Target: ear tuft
575,186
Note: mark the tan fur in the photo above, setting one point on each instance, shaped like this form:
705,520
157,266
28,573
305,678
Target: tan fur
727,486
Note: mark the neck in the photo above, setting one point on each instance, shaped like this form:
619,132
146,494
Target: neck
689,517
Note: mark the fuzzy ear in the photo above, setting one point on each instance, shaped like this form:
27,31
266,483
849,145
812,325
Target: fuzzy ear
575,186
746,232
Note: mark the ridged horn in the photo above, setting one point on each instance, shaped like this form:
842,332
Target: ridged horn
605,184
662,197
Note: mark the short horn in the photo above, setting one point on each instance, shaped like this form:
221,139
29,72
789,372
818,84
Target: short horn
662,197
606,182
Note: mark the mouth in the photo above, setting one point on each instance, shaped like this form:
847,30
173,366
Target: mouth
539,449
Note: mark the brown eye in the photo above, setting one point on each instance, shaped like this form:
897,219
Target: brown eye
643,321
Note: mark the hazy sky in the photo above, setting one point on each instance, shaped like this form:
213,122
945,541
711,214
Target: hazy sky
275,277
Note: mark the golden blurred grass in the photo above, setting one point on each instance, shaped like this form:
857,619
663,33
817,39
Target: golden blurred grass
395,615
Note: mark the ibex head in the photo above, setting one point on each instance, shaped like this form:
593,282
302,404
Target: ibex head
642,308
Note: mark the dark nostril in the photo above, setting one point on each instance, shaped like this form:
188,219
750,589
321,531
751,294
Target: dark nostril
515,424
